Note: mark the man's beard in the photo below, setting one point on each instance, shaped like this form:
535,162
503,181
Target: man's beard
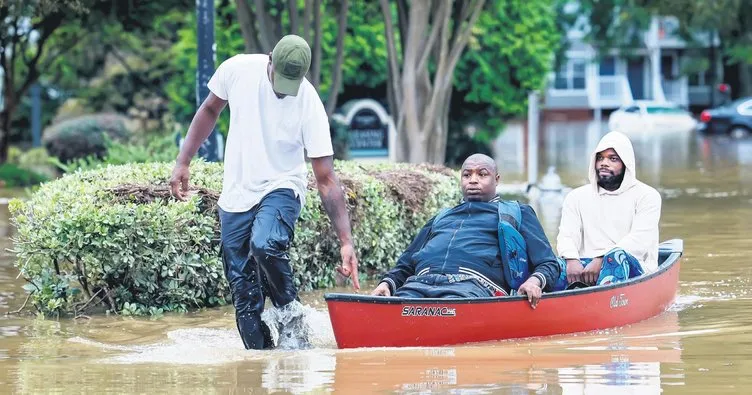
611,182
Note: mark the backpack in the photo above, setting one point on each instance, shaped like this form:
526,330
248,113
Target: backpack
514,260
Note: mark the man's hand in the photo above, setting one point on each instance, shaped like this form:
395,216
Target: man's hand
532,289
349,266
382,290
592,271
180,176
574,270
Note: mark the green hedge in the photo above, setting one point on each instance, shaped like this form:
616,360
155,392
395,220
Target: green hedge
113,239
84,136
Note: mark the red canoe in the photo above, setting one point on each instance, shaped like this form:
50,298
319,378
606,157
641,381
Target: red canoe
371,321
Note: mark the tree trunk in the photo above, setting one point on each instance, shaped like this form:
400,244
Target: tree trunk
316,66
248,27
265,27
423,91
307,15
293,10
331,101
5,121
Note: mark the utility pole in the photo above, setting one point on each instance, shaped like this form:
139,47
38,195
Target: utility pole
212,149
532,138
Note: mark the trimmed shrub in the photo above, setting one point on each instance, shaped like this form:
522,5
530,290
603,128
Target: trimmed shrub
113,236
84,136
12,176
34,159
155,149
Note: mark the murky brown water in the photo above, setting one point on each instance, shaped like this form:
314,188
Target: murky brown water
703,345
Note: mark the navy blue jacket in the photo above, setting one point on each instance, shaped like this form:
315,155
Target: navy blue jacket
466,241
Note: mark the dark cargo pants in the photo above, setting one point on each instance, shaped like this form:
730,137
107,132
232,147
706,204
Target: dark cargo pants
256,263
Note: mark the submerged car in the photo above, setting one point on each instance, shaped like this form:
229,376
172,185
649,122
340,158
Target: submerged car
651,116
733,119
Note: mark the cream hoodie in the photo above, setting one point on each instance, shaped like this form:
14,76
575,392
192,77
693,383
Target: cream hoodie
594,220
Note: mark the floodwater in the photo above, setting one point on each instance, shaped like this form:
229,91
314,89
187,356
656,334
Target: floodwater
702,345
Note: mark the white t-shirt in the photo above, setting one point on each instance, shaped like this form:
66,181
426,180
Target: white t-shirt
267,135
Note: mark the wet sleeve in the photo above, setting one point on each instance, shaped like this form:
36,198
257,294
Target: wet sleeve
405,264
644,231
539,252
569,241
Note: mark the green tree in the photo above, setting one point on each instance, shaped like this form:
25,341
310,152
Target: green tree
36,34
510,54
363,54
731,20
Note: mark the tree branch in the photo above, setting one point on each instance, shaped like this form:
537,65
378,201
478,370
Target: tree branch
403,21
331,101
247,26
34,73
132,73
292,6
23,306
264,26
441,66
461,40
438,15
396,78
278,20
307,15
316,72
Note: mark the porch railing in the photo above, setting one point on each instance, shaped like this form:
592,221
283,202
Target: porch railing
611,91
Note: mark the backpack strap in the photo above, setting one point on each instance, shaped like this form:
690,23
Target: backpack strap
509,211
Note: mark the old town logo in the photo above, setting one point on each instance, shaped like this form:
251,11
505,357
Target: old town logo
435,311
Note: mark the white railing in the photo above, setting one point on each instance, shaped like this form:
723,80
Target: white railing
676,91
612,91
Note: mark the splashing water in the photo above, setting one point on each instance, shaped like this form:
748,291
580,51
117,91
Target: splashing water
296,326
218,346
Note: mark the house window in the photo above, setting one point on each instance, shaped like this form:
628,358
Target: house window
608,66
571,75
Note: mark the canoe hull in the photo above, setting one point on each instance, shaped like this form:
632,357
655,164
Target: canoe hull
366,321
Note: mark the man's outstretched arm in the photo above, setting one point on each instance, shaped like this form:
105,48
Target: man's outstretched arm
333,200
201,127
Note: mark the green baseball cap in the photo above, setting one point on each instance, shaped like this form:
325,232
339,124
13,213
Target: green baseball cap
291,59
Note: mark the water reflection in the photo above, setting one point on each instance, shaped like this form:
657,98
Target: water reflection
210,360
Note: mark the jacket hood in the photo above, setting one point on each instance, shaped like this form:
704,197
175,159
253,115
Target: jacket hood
623,147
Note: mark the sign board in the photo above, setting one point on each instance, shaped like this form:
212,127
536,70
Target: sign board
370,130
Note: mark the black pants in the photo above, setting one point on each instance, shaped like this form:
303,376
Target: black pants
438,286
256,263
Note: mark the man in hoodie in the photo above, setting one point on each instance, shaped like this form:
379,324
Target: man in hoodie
458,253
609,227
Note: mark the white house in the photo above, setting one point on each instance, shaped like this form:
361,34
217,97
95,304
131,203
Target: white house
586,81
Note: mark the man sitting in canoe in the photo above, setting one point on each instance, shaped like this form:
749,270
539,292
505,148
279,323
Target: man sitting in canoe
609,227
482,247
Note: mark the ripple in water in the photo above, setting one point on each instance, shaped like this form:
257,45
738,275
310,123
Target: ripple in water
215,346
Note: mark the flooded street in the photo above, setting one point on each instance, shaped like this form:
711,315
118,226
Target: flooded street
702,345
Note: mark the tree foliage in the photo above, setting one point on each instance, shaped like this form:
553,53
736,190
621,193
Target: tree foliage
510,54
36,34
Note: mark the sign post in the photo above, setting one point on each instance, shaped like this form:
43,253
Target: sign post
212,149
